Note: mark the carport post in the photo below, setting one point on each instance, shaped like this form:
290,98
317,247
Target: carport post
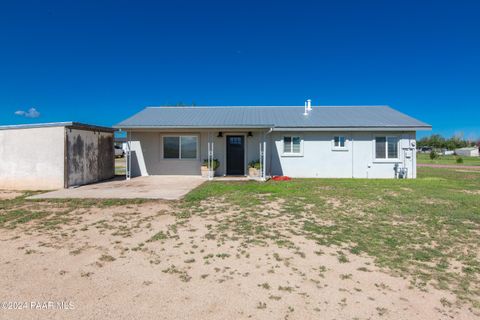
210,156
128,172
264,159
261,151
263,155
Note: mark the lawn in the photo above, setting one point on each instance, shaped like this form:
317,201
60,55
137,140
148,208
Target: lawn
425,229
299,249
467,161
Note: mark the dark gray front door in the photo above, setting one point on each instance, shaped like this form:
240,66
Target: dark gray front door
236,155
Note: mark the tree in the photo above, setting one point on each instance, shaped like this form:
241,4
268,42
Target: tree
436,141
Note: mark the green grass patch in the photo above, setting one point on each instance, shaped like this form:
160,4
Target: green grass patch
418,228
452,159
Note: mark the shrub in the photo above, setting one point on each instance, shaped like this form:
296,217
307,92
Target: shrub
459,160
215,163
433,155
254,164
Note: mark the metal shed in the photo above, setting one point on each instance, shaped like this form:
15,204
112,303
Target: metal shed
55,155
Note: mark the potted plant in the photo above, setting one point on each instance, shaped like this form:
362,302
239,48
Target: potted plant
254,168
204,167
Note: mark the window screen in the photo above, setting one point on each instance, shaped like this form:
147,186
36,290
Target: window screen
380,147
392,143
171,147
180,147
339,141
188,147
291,145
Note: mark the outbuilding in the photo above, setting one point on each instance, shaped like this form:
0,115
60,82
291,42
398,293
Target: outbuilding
467,152
55,155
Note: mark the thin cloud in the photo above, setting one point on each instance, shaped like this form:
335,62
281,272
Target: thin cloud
31,113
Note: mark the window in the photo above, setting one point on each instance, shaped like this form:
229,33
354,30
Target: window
291,145
180,147
339,142
235,140
386,148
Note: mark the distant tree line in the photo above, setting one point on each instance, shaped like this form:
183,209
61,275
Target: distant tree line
439,142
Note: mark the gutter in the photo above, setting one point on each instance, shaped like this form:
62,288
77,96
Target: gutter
352,128
191,127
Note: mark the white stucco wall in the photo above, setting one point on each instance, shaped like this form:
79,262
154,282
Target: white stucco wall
319,159
32,158
147,152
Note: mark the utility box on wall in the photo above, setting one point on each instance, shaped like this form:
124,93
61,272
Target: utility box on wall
55,155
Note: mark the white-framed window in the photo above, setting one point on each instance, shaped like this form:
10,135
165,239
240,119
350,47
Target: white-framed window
180,147
339,142
292,145
386,147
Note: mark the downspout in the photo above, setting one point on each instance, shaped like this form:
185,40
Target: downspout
353,162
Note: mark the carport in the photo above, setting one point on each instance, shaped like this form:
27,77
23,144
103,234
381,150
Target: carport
149,187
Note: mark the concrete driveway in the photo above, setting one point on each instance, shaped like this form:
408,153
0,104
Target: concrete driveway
151,187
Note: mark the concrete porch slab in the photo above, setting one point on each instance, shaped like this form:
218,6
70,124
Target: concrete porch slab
151,187
238,178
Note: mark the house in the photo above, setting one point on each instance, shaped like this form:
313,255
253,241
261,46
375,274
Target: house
467,152
300,141
54,155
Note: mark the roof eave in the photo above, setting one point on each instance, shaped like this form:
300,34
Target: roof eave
355,128
67,124
350,128
119,126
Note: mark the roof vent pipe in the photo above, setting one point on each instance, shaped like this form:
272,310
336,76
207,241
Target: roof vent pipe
308,106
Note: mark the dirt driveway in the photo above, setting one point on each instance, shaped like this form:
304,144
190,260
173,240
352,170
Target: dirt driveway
152,260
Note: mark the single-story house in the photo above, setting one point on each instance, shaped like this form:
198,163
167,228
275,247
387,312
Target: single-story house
467,152
55,155
300,141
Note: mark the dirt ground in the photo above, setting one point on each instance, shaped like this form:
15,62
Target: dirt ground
143,262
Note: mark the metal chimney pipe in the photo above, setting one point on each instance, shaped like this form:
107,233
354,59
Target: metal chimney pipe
309,105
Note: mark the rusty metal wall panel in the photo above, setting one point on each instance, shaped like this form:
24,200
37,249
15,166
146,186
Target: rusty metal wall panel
106,156
90,158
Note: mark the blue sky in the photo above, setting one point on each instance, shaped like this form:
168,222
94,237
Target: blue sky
101,61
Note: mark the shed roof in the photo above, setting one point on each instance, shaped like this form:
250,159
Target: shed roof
467,149
272,117
69,124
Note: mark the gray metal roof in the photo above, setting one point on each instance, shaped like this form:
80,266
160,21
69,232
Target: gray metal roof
272,117
69,124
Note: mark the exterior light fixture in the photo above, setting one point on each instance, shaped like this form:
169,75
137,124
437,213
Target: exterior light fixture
220,134
249,134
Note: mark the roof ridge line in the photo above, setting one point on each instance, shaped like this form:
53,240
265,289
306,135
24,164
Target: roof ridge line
271,106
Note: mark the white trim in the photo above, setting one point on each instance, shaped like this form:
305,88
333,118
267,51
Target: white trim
292,154
162,155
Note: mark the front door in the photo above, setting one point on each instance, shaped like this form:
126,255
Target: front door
236,155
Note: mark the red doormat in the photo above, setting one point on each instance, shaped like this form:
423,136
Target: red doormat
281,178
